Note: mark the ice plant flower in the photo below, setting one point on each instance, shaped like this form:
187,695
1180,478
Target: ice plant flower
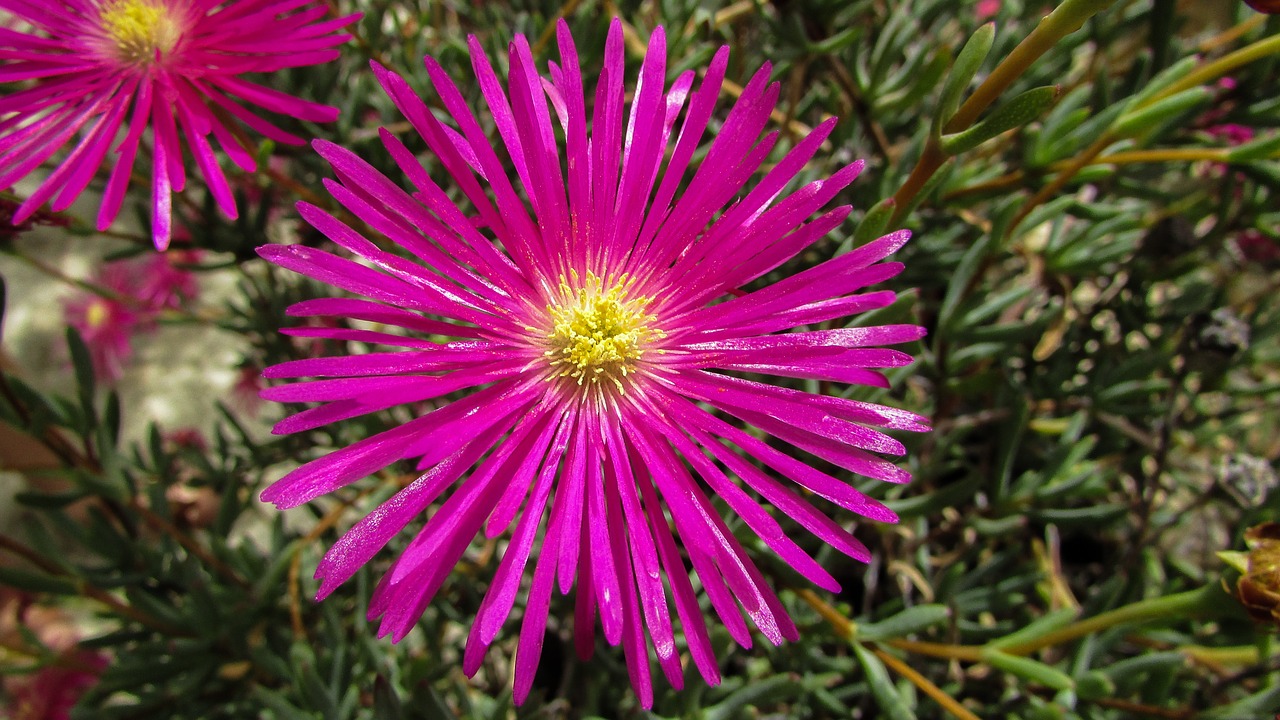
108,322
96,69
591,356
165,283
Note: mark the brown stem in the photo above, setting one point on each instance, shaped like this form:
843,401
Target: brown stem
88,590
939,696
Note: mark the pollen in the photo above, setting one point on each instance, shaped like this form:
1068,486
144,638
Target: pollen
142,30
599,331
97,314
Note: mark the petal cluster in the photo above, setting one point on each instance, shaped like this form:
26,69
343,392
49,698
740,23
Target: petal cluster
130,297
591,338
97,75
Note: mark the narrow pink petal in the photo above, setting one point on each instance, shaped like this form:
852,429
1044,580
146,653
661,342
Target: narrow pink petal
695,123
161,197
501,596
450,529
113,197
634,650
359,544
539,145
446,357
574,479
576,144
164,133
646,567
278,102
785,500
643,146
357,309
343,466
733,398
584,604
755,516
607,574
709,540
509,505
690,613
798,472
534,625
606,137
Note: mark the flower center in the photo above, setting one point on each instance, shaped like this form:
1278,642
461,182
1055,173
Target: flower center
598,332
142,30
97,314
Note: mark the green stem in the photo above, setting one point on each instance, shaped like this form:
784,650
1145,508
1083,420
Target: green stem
1201,75
1064,20
1204,601
1220,67
1188,604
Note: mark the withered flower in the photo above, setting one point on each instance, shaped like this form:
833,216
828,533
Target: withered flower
1258,588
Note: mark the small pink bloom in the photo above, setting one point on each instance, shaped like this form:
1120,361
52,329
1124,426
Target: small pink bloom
51,692
245,393
1256,246
1231,133
107,323
99,74
165,285
986,9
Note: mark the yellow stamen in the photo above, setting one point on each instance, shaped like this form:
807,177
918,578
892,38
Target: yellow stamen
142,30
97,314
598,334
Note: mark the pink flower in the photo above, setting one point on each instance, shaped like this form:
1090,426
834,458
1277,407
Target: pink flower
51,692
165,285
246,391
96,67
136,292
596,339
1257,247
1231,133
986,9
107,323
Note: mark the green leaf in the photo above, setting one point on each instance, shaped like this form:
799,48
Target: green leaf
1013,114
770,689
1094,685
1046,623
1028,669
970,59
1258,705
909,621
873,224
1167,77
83,364
1261,149
49,501
892,705
37,582
276,703
958,284
1136,121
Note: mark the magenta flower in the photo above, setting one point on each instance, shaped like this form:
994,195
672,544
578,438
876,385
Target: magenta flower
51,692
165,284
97,67
604,347
107,323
